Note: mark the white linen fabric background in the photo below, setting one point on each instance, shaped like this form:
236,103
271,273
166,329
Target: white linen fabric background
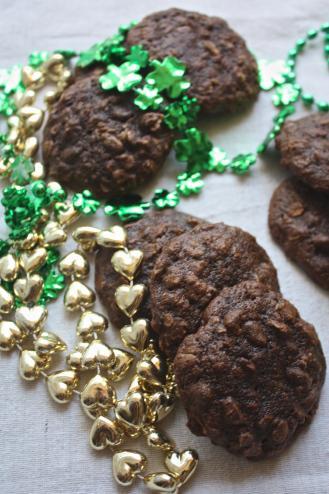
44,447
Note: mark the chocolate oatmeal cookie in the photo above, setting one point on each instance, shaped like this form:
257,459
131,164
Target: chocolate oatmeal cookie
99,140
149,234
304,147
299,222
251,376
191,271
222,71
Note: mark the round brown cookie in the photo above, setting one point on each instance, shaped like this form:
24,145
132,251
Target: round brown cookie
101,141
299,222
222,71
149,234
252,374
193,268
304,147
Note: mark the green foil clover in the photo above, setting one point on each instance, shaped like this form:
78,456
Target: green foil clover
4,247
103,52
181,114
286,94
148,97
272,73
138,55
194,149
11,79
21,170
218,160
168,75
242,163
37,58
7,105
189,184
85,203
131,208
163,198
123,77
54,284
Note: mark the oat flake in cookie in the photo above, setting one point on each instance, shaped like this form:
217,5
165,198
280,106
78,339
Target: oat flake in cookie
191,271
222,71
251,376
101,141
299,222
149,234
304,147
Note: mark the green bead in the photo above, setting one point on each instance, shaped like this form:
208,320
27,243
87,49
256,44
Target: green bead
39,188
292,53
322,106
168,75
188,184
85,203
325,27
308,99
312,33
123,77
300,43
326,49
164,199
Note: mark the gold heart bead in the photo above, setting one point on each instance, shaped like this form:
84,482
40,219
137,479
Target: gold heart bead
126,465
91,322
129,298
104,433
32,261
78,296
66,214
31,364
6,301
114,238
62,384
29,289
135,335
98,396
160,405
31,318
8,267
135,385
54,234
31,146
74,264
158,439
121,366
74,359
127,263
182,464
10,334
85,234
48,343
132,410
161,482
97,354
38,172
150,372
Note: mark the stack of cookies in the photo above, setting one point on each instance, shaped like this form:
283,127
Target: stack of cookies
299,209
249,370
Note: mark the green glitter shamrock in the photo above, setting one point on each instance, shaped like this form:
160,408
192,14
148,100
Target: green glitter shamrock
138,55
168,75
103,51
194,148
218,160
181,114
272,73
286,94
85,203
123,77
242,162
148,97
37,58
54,283
189,184
4,247
11,79
130,208
164,199
21,169
7,105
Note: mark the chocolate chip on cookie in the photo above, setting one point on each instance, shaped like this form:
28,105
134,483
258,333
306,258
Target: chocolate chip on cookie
101,141
304,147
299,222
149,234
251,376
193,268
222,71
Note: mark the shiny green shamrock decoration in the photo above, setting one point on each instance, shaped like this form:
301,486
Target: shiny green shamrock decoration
194,148
182,113
37,58
85,203
189,184
11,79
164,199
286,94
132,209
104,51
148,97
272,73
242,162
168,75
21,169
4,247
7,105
138,55
123,77
54,283
218,160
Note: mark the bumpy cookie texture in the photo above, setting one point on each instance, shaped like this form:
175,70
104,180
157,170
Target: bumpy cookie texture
193,268
149,234
101,141
222,72
304,147
299,222
252,374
